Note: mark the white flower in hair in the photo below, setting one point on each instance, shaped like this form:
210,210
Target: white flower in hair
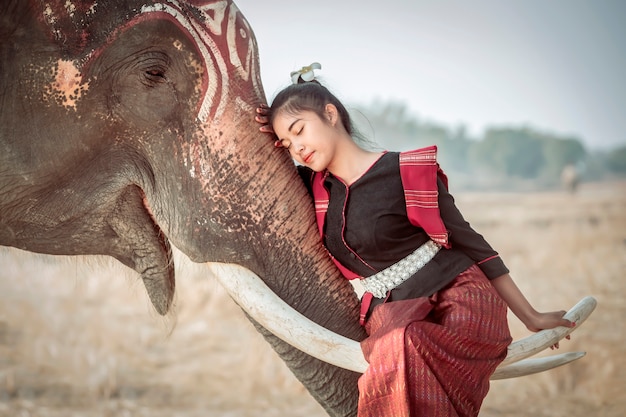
306,73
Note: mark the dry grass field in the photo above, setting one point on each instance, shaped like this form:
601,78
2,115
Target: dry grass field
78,337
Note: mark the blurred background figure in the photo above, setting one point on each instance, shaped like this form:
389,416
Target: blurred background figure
570,178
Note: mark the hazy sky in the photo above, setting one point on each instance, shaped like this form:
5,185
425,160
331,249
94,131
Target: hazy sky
558,66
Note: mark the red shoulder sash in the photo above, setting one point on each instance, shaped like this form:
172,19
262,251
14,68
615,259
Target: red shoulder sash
419,171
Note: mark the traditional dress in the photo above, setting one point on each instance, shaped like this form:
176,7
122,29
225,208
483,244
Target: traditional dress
435,339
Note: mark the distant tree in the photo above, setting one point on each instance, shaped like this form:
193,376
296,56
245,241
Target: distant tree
510,152
457,148
507,152
560,153
395,128
616,160
392,113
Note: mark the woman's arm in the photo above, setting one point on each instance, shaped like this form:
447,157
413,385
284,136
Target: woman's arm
464,237
520,306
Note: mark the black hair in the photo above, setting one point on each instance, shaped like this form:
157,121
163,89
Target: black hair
309,96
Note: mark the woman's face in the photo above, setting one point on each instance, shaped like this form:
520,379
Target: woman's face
311,141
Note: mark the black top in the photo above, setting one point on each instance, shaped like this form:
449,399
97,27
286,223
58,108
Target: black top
367,230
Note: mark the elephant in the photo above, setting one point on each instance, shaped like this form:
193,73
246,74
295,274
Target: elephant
127,126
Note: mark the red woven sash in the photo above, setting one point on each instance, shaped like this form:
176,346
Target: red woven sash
419,170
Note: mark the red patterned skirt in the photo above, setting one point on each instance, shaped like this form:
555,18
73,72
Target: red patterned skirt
433,356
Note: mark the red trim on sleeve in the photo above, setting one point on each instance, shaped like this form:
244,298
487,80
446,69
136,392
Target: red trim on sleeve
488,259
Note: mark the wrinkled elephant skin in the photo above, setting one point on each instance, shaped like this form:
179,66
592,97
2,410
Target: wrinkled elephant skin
127,125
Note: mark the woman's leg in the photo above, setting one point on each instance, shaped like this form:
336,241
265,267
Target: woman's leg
439,365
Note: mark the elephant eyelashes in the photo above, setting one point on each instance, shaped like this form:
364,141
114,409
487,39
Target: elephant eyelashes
155,65
155,76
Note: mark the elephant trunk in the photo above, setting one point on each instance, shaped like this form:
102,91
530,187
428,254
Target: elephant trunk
268,226
242,202
296,267
321,296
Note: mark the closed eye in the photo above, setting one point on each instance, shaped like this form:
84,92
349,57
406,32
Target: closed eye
155,66
155,75
297,130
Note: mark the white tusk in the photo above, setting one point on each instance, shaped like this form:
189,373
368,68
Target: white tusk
271,312
537,342
256,299
534,365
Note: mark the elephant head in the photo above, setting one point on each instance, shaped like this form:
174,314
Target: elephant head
128,124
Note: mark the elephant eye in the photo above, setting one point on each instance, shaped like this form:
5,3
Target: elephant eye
154,76
154,65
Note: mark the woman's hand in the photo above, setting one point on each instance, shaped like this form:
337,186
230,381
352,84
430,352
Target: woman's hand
263,118
540,321
531,318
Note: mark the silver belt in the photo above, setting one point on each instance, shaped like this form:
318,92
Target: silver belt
389,278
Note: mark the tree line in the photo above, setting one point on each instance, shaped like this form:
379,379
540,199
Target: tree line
504,157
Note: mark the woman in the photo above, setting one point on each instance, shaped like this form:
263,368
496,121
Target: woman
436,292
